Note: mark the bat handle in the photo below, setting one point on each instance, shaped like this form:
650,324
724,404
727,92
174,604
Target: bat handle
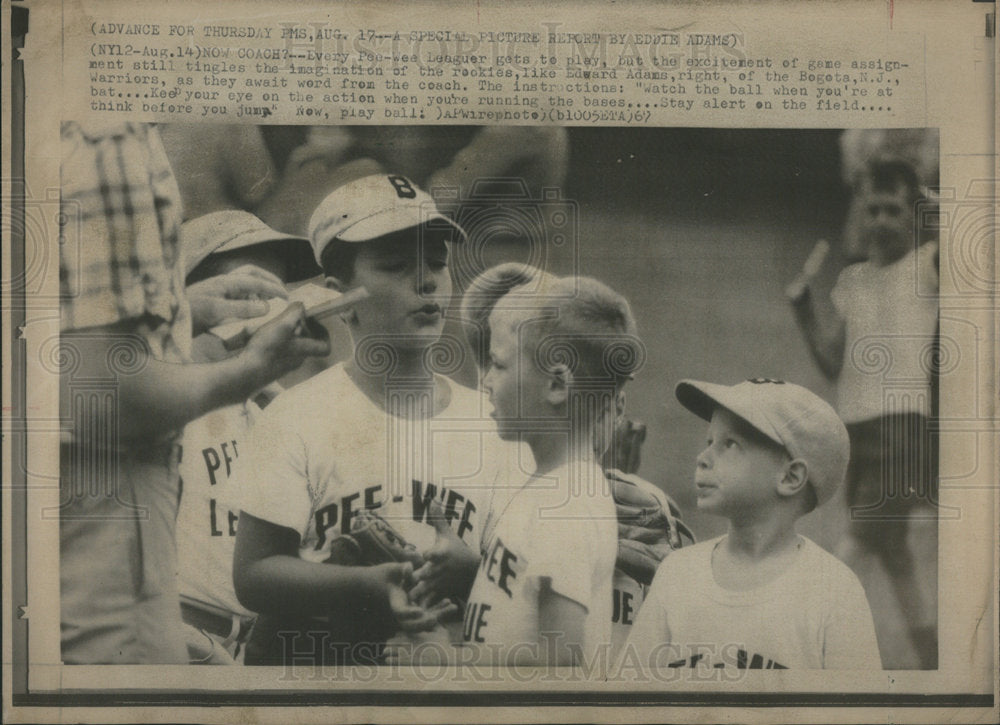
814,262
798,287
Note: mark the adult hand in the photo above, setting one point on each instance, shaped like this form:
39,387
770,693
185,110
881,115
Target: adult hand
281,345
239,294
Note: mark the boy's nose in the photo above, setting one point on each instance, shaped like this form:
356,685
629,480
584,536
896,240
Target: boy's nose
702,460
427,281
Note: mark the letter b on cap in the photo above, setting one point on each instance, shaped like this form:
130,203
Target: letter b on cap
403,188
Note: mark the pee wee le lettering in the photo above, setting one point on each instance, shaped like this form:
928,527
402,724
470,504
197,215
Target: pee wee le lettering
221,520
334,519
502,567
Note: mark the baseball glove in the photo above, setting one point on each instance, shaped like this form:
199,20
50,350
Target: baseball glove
372,541
338,640
649,525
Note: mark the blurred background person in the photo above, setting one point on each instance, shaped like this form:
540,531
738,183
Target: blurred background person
885,306
858,147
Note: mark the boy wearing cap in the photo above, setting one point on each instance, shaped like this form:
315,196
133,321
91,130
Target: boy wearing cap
761,596
239,244
383,430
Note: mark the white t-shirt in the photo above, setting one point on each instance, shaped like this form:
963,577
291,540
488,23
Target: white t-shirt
890,314
559,530
209,506
813,616
627,597
323,451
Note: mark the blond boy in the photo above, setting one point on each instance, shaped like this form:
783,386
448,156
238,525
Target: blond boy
761,596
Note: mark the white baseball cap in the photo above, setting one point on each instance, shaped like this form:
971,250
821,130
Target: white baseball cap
232,229
793,417
372,207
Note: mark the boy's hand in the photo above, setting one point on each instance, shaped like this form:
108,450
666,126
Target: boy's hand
410,617
281,345
240,294
450,566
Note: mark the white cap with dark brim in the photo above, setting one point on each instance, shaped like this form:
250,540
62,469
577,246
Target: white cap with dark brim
372,207
233,229
795,418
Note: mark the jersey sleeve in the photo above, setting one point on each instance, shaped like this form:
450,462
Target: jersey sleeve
566,554
272,476
651,630
849,639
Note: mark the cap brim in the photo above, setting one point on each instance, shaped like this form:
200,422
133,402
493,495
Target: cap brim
396,220
703,398
199,239
296,251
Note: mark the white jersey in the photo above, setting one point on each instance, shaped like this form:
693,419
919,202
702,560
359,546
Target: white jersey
560,531
890,315
627,598
209,508
323,451
813,616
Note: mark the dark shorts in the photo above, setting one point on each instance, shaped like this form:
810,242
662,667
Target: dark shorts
893,470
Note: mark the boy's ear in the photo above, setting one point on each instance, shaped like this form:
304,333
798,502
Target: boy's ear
794,478
619,406
557,391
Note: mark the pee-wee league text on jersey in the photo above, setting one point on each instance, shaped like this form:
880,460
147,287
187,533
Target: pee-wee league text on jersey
627,598
209,507
549,533
323,451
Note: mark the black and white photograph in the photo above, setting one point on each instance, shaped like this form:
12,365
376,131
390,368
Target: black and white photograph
448,362
371,377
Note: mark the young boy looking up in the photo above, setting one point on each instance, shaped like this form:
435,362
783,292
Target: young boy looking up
560,352
761,596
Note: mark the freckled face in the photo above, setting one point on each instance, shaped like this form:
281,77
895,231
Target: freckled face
734,472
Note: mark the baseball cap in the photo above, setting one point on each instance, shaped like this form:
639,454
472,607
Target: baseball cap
795,418
371,207
232,229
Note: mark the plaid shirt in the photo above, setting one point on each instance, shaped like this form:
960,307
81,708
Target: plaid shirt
119,255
